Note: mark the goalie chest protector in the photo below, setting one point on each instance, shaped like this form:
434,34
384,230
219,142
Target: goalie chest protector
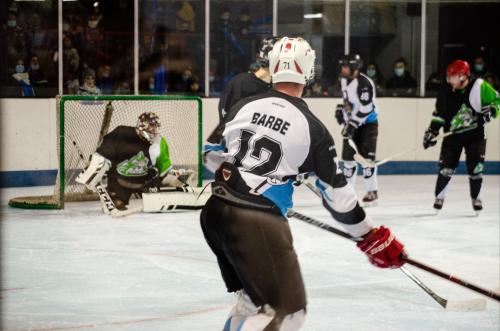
128,153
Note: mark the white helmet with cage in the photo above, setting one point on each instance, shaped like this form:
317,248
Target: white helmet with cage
292,60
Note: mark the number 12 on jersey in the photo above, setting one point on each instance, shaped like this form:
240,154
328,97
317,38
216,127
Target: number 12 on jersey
258,155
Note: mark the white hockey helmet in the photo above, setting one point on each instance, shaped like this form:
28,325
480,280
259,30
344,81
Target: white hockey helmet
292,60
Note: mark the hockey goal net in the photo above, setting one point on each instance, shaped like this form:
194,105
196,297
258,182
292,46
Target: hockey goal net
84,120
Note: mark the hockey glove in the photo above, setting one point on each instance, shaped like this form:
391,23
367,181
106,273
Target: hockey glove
349,130
489,112
339,114
429,137
383,249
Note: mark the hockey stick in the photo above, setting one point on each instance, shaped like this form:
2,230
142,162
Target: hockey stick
465,305
475,304
106,201
358,157
389,158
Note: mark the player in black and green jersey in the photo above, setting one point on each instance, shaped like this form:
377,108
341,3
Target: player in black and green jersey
463,106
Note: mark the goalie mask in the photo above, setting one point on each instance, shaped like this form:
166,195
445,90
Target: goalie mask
148,125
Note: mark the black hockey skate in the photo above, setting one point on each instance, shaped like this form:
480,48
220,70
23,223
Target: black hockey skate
370,199
477,205
438,204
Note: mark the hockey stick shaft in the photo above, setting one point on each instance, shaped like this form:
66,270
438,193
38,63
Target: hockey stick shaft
441,301
358,157
454,279
413,262
389,158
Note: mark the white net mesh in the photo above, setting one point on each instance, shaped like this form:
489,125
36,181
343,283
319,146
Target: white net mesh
87,119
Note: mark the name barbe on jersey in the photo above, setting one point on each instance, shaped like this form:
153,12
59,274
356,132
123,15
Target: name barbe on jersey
271,122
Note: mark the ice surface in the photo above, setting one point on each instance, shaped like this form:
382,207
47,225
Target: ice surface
78,269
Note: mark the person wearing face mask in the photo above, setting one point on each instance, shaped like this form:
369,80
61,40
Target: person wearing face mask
463,106
23,79
373,72
479,69
401,83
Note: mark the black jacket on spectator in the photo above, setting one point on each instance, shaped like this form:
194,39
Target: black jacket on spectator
401,86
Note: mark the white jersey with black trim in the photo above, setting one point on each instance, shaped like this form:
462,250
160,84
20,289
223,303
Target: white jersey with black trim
272,138
359,100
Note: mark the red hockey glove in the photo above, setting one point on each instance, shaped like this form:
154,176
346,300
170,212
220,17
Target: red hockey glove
383,249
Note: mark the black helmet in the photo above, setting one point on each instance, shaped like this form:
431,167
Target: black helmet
353,61
266,46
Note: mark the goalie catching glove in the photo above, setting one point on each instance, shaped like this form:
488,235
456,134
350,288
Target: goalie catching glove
383,249
93,174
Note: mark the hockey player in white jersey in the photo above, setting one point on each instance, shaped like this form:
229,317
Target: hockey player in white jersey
257,152
358,114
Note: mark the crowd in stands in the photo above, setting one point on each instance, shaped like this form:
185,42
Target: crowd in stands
99,59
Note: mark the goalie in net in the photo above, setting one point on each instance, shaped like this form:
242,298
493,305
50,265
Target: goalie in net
135,160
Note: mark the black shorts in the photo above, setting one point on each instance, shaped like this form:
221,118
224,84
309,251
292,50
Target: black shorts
451,149
365,139
255,252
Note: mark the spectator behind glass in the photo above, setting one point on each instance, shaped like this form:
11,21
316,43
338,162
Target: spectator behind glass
123,88
104,80
93,45
72,70
375,75
433,84
185,17
89,87
227,49
36,75
479,68
15,40
401,84
37,37
23,80
243,23
244,36
492,79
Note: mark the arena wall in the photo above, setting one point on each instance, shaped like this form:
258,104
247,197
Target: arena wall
28,154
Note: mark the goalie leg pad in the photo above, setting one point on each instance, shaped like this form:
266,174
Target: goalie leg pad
93,174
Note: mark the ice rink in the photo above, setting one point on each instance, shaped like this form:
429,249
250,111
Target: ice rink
77,269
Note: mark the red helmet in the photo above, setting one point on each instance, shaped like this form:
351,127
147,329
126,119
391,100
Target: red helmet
458,67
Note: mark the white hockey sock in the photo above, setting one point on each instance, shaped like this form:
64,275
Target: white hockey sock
291,322
370,176
243,308
294,322
350,171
